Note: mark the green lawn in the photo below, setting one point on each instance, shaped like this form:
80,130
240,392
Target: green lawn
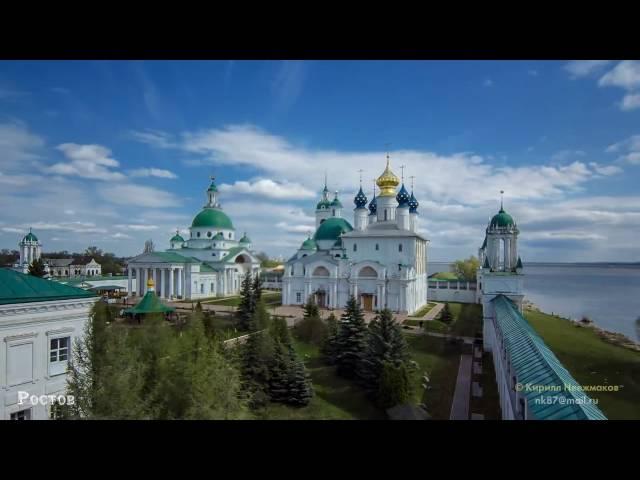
423,311
593,361
440,361
467,319
489,403
269,298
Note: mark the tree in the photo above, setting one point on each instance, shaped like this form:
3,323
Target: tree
258,357
445,315
149,247
36,268
246,308
395,385
311,328
329,347
300,390
385,344
257,289
466,269
351,344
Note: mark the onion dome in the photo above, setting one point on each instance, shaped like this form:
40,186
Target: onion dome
413,204
177,238
387,182
150,284
213,218
218,236
212,187
403,197
245,239
30,237
323,205
360,200
373,205
336,203
332,228
502,219
309,244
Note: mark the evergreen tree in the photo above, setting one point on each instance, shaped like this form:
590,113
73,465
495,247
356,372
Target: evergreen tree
258,357
351,344
36,268
257,289
395,385
300,390
445,315
329,347
385,344
280,331
311,328
279,375
246,308
198,306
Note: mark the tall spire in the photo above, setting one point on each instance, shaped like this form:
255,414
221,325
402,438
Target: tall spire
501,200
402,167
360,172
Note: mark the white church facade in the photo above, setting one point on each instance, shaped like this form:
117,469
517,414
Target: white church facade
381,260
210,262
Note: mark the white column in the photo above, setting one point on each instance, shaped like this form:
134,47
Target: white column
130,281
147,273
171,273
180,282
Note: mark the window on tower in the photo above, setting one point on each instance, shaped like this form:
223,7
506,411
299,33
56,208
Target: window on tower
377,247
400,247
208,234
198,234
355,247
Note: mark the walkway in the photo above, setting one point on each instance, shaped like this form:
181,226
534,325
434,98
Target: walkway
462,395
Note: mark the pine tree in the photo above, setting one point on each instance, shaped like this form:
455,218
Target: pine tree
279,375
257,289
36,268
311,328
351,344
445,315
258,357
395,385
385,344
329,347
300,390
246,308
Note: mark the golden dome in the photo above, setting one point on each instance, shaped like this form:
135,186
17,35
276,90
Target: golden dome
387,182
150,283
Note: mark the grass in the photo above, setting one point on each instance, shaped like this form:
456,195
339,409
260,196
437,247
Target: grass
269,298
440,360
489,403
423,311
467,319
444,276
593,361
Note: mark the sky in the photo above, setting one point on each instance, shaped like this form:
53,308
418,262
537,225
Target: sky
111,153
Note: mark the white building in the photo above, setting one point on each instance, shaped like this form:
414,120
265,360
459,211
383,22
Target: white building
211,262
39,321
381,260
74,267
30,250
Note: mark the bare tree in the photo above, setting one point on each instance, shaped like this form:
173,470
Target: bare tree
148,246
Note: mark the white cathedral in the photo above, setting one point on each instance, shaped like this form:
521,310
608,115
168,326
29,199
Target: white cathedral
211,262
382,262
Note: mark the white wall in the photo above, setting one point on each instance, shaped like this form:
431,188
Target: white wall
25,334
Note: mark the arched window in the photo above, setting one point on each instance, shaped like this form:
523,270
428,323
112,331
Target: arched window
209,234
320,272
198,234
385,215
229,234
377,247
334,212
355,247
367,272
400,247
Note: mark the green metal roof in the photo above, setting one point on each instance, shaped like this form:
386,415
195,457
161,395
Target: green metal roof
177,238
170,257
502,219
150,303
30,237
245,239
212,187
336,203
309,244
206,268
332,228
214,218
536,365
18,287
218,236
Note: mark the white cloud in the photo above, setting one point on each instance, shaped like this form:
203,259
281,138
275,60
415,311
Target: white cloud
87,161
136,196
18,146
632,158
564,155
269,189
152,172
582,68
120,235
155,138
630,149
630,102
625,74
288,82
136,227
605,169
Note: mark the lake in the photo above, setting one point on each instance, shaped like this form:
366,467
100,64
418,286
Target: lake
608,294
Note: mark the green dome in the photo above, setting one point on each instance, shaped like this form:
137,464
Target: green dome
332,228
213,218
177,238
326,204
336,203
30,237
218,236
502,219
309,244
245,239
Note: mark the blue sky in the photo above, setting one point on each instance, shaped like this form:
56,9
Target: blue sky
112,153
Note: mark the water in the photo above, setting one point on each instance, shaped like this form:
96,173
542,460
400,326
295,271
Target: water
608,294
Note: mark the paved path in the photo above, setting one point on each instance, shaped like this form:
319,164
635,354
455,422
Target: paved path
462,395
431,314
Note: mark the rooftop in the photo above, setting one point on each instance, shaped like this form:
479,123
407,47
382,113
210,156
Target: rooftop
18,287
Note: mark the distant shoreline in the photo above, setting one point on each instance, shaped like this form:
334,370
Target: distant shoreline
560,264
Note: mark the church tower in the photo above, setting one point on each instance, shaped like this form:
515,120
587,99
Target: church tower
386,201
501,271
323,208
30,250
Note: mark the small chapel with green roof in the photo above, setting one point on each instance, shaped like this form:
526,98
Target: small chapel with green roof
209,262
